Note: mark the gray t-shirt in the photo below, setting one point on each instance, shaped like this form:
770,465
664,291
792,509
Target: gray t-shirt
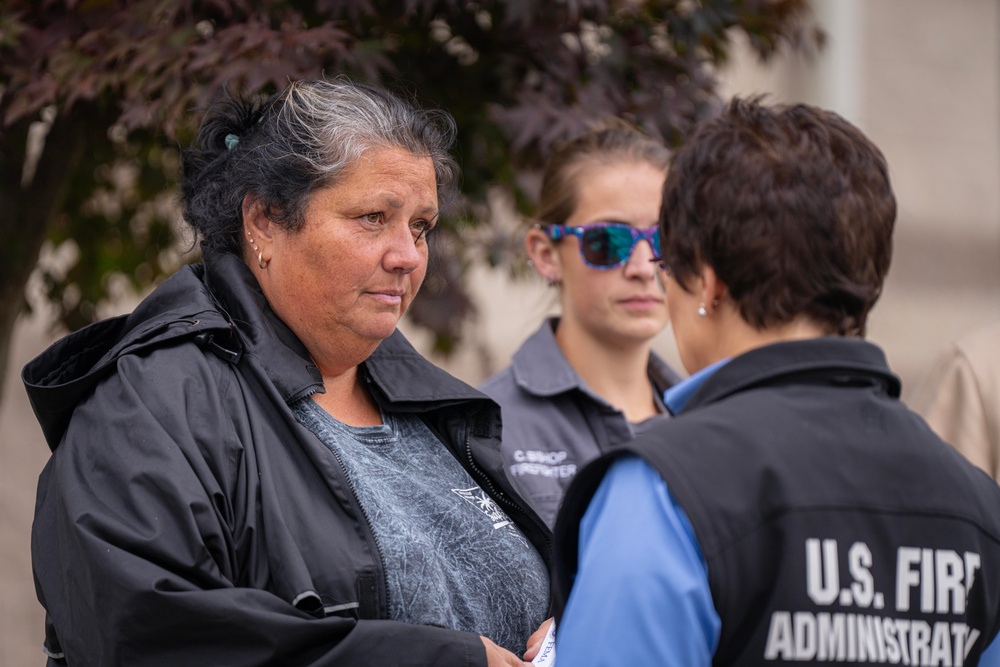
452,557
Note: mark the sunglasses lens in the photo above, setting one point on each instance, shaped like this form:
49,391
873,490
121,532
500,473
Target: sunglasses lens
606,246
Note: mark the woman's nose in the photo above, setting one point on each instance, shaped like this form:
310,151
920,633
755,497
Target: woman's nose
640,261
403,253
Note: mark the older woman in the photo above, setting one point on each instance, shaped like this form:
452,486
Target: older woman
254,467
793,510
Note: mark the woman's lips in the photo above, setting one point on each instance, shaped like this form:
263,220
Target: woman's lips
390,297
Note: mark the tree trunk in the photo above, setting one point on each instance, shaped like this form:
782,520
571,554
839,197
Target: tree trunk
28,211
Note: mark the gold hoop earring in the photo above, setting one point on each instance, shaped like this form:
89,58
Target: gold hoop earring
260,260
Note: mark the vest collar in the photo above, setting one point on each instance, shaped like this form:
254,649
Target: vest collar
831,359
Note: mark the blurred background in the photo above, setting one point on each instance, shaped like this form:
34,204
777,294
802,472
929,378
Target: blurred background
920,77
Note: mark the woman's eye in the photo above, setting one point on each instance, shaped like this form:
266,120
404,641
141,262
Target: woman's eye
421,229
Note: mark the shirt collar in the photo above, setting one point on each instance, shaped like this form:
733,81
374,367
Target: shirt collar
677,396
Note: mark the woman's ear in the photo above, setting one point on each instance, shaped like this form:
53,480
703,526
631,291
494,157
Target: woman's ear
255,222
712,289
258,229
542,253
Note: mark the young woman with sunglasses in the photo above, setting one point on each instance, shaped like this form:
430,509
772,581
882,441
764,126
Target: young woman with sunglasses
588,380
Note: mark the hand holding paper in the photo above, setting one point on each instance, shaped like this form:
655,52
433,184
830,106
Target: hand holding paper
546,656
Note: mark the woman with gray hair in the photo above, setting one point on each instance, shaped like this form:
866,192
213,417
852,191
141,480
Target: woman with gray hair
254,467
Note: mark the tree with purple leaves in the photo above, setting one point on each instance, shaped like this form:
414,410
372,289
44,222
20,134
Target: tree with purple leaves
97,95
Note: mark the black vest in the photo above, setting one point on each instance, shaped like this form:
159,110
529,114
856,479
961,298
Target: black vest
836,526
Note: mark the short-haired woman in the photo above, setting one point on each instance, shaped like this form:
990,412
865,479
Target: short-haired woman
793,510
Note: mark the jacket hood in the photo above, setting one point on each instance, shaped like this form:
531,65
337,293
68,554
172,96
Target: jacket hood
218,305
61,376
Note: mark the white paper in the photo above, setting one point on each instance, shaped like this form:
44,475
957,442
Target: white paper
547,654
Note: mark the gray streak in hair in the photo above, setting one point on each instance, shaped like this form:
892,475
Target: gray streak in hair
296,143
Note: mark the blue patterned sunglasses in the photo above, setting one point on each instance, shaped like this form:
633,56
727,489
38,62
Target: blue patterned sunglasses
606,245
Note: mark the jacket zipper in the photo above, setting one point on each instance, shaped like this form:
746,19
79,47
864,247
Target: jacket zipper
371,530
501,497
484,479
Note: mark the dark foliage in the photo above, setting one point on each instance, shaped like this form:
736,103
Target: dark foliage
120,83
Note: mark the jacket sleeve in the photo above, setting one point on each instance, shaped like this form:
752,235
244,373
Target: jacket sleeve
139,543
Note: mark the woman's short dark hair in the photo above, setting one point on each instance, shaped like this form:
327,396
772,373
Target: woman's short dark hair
792,208
281,150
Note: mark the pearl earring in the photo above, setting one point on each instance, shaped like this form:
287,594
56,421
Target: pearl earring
702,311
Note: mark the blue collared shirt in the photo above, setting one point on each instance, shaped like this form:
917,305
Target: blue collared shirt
677,396
640,606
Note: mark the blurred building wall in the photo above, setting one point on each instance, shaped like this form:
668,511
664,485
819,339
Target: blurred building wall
920,77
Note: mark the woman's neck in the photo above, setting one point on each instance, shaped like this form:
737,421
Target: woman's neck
348,400
616,373
736,336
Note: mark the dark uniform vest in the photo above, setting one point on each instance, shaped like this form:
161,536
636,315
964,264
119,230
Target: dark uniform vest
836,526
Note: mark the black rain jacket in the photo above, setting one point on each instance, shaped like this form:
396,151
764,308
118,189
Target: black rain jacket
185,516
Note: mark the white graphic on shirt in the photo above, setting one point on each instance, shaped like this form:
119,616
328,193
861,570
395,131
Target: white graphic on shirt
478,499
